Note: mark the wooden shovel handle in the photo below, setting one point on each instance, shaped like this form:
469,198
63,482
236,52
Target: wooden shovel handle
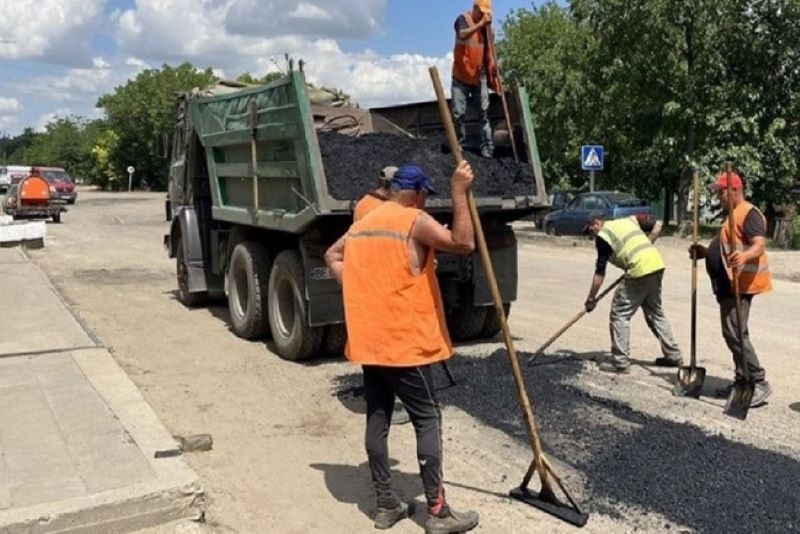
522,395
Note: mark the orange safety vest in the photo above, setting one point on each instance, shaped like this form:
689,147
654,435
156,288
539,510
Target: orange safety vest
468,55
394,318
366,205
754,277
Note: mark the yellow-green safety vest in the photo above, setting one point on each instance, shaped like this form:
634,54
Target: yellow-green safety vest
632,249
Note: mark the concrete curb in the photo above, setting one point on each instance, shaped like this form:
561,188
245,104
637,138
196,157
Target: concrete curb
174,494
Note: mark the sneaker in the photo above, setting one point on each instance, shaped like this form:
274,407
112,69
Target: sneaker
760,394
487,152
608,367
451,523
387,517
400,415
668,362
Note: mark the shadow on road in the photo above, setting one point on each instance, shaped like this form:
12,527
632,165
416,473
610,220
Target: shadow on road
352,485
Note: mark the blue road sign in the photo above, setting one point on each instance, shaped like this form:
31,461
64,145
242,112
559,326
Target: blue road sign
592,157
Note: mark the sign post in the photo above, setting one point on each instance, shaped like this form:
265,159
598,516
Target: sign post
592,160
131,170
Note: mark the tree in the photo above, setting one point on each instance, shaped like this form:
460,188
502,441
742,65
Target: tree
143,109
264,80
666,85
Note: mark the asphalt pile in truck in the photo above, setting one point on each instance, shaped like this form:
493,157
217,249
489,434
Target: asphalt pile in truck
352,165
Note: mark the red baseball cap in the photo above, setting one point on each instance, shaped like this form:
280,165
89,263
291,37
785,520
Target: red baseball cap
722,181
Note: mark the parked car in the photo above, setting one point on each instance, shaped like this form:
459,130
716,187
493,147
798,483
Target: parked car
5,179
571,220
62,182
558,200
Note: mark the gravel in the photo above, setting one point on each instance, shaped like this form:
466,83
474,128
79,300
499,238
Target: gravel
352,165
624,463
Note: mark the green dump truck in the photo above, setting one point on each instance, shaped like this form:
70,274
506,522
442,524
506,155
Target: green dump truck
252,211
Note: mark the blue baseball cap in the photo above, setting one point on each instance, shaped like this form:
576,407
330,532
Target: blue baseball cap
411,177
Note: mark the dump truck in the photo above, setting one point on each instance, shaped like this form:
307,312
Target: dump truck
253,207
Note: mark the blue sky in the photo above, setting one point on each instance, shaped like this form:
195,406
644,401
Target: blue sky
58,56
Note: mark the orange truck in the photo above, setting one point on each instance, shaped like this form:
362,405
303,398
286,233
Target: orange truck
33,197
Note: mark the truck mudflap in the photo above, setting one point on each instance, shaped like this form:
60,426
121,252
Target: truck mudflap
502,244
185,232
325,305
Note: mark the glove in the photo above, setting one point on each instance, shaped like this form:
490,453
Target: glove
697,251
590,305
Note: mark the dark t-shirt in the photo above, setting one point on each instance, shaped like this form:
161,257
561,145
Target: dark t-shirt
604,252
753,227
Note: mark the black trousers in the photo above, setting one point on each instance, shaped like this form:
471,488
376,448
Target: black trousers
414,386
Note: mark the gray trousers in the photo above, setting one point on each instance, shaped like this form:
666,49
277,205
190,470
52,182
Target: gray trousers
632,294
478,97
727,319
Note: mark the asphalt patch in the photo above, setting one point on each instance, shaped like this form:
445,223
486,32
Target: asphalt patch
622,462
353,164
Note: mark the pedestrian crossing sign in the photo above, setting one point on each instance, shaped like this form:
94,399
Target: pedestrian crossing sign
592,157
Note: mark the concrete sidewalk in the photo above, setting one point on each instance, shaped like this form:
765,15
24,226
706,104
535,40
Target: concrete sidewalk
77,440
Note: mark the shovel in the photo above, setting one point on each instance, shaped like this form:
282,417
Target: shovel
690,379
742,393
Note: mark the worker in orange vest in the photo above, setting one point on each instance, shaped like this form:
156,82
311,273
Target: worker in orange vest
396,329
377,196
749,261
472,63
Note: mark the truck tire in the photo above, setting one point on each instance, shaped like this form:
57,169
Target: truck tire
247,289
190,300
294,339
491,326
465,321
334,340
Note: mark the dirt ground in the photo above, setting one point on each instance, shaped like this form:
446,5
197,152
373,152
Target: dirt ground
288,438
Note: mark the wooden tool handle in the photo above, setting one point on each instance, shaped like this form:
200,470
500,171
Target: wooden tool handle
735,276
695,234
490,40
522,395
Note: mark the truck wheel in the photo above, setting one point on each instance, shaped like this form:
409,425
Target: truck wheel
334,340
56,217
464,322
186,298
294,339
491,326
247,289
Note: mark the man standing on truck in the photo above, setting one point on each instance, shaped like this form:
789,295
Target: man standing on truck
625,245
750,261
472,64
396,329
376,197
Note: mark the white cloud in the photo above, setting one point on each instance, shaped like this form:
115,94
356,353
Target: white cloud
47,118
59,30
6,121
216,33
9,104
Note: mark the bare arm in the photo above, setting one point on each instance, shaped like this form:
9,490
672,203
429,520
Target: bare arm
755,250
656,231
467,32
334,257
461,240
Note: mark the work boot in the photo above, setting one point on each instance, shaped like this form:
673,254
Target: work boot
668,362
487,152
760,394
387,517
400,414
451,523
609,367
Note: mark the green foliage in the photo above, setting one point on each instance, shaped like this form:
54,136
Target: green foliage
140,111
264,80
665,85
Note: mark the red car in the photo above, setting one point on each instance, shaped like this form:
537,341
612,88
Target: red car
61,184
